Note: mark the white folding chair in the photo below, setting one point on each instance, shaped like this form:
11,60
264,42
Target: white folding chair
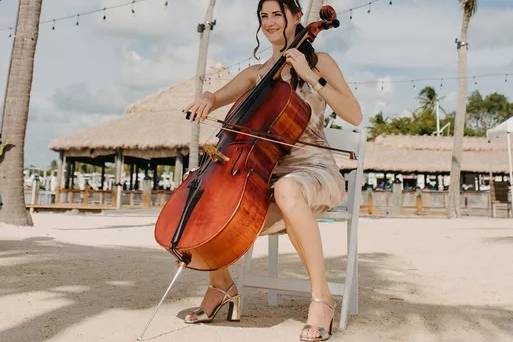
354,141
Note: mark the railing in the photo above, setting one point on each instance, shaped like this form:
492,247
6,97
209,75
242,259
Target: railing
89,198
419,202
374,202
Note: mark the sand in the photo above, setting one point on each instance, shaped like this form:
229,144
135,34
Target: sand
97,278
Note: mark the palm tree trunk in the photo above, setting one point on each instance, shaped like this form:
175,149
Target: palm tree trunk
459,122
200,79
15,116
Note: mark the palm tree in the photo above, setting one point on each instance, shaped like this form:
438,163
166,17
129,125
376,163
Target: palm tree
428,98
15,115
469,9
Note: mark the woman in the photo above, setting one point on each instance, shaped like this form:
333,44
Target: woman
305,182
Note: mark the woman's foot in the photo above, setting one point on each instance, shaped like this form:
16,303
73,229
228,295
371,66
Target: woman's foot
213,299
320,319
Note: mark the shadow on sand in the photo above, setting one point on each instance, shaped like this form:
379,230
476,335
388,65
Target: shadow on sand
135,278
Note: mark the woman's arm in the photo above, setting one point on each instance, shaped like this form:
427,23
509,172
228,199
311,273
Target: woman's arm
336,92
230,92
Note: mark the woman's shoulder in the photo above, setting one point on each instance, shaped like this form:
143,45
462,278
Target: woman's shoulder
252,72
324,59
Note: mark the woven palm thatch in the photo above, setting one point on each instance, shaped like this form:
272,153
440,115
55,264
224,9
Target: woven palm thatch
152,127
430,154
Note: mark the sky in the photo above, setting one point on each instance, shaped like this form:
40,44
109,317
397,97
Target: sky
89,73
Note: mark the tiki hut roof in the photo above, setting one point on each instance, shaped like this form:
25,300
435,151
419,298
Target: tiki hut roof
155,123
154,127
430,154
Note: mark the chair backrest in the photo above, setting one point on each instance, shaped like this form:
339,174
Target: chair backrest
353,140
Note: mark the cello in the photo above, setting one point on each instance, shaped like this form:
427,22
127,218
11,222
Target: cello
219,209
217,212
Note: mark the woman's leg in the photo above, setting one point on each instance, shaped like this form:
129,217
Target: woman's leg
304,234
222,280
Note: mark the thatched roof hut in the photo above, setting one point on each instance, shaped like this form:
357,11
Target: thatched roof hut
430,154
154,127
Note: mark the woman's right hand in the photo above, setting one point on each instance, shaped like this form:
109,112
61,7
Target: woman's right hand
201,107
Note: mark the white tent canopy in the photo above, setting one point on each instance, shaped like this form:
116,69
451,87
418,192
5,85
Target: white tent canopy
505,128
500,129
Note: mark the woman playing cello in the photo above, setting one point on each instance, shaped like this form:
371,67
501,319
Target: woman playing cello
305,182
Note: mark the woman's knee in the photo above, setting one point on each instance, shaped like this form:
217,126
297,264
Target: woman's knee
287,194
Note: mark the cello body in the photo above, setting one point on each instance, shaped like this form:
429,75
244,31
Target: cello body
221,207
216,214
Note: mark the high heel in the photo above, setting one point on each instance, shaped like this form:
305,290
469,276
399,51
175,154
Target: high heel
322,335
233,308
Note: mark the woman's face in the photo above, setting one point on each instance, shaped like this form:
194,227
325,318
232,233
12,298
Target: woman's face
273,22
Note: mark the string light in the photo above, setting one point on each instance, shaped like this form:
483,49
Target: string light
130,3
442,80
78,20
368,5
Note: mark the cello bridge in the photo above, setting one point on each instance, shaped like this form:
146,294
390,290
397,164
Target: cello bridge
215,154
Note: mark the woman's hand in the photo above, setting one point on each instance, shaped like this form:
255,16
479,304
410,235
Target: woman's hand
201,107
298,61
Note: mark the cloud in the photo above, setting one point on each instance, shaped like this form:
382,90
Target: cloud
81,98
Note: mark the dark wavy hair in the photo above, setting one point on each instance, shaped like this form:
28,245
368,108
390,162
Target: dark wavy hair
306,48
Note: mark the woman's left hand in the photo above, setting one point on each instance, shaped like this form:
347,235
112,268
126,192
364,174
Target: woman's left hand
298,61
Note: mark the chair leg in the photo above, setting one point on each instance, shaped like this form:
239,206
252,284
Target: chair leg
245,268
353,303
350,299
272,296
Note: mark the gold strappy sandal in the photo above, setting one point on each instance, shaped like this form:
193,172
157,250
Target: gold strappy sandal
233,309
323,334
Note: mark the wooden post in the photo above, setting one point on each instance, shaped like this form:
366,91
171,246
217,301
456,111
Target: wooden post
370,202
155,177
103,176
85,199
131,177
418,201
397,193
35,194
136,186
204,31
118,186
177,177
60,173
68,173
146,196
73,166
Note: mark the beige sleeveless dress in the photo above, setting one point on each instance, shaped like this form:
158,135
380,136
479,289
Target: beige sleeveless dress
322,185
